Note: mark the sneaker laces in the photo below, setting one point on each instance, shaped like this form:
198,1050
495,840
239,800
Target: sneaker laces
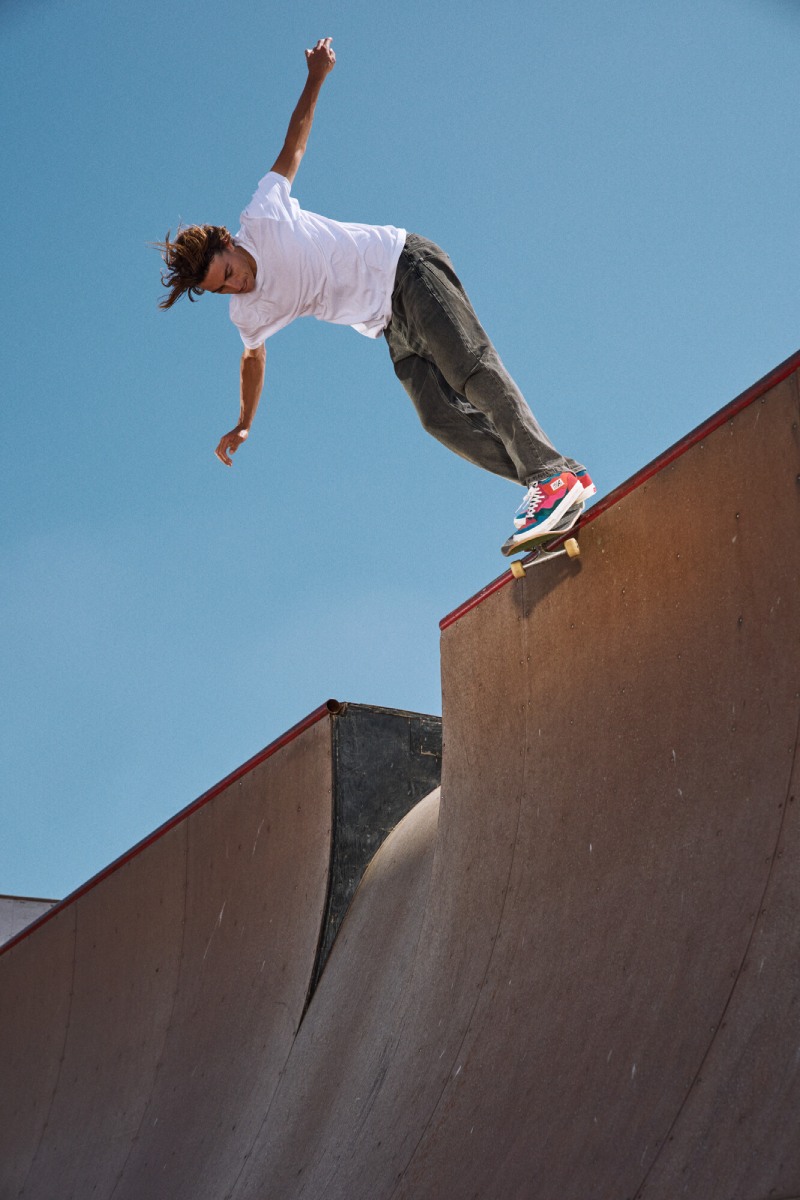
532,500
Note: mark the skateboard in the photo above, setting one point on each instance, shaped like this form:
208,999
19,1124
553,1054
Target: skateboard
540,548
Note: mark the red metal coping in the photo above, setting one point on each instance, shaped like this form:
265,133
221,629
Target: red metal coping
778,375
324,710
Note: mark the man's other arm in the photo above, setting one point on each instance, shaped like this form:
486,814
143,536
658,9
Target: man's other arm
251,381
320,60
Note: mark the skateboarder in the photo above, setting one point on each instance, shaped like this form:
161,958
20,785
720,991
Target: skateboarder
286,262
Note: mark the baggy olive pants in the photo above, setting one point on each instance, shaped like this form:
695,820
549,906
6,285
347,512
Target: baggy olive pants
462,392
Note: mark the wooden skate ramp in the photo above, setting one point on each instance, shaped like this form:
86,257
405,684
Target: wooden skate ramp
572,975
602,998
620,783
147,1020
114,1010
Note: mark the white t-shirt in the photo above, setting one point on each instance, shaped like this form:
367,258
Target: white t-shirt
310,266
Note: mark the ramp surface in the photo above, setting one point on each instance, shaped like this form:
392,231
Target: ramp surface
141,1028
147,1019
602,998
573,975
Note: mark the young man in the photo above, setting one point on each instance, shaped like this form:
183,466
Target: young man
286,262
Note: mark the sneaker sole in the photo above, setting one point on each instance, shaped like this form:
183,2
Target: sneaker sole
537,540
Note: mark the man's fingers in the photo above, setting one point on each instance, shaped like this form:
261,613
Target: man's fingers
229,444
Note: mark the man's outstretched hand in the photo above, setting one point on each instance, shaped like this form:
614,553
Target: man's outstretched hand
229,444
321,60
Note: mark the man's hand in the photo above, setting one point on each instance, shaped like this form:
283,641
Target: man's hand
321,60
229,444
251,381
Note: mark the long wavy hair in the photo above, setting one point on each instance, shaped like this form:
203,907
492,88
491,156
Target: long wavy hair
188,258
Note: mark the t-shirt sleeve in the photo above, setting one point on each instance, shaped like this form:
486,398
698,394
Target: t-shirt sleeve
272,199
252,341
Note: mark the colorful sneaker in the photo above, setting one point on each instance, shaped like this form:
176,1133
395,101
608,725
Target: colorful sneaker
585,480
545,505
527,541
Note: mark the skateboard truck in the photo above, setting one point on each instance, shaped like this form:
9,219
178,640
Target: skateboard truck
541,553
539,549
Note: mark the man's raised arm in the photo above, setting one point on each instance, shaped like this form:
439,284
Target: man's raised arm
321,60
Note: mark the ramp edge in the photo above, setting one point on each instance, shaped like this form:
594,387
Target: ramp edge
756,392
329,708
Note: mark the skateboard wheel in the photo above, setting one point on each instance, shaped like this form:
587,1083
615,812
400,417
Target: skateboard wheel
572,548
517,569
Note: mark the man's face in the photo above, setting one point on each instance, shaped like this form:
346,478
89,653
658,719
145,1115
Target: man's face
231,271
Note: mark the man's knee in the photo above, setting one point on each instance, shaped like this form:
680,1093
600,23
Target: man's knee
433,420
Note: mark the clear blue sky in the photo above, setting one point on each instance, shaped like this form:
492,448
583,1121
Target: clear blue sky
617,184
